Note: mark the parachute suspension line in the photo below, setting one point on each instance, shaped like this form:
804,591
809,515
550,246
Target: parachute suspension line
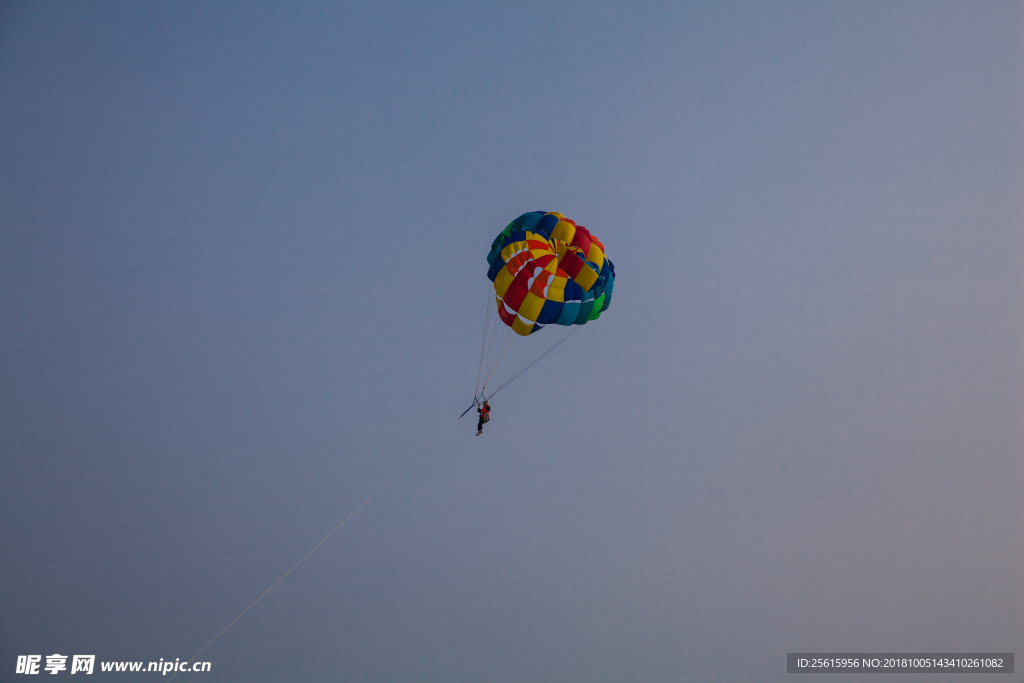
540,356
495,340
551,347
526,352
502,349
528,345
492,343
505,345
536,344
501,341
324,539
483,343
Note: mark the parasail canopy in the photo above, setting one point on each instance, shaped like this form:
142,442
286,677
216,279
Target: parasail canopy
547,270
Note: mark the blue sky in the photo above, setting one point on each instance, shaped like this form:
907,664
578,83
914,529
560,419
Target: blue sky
242,281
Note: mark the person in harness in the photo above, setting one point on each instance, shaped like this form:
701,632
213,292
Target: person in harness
485,416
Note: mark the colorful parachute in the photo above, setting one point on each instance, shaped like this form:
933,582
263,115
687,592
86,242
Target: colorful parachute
548,270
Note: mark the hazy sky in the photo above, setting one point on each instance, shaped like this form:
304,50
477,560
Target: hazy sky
242,282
